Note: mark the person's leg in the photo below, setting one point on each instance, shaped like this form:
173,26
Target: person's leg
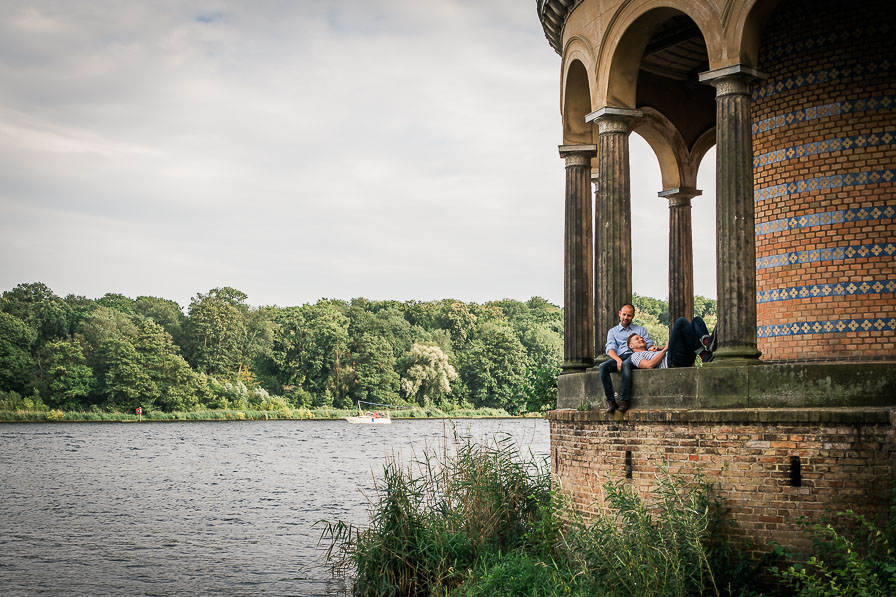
684,343
625,390
605,368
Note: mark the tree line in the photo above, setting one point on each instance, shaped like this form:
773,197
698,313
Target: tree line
115,353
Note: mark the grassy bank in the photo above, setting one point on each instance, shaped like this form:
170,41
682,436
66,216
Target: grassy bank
488,523
43,416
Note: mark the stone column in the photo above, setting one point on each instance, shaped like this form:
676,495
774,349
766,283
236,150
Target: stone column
578,274
613,219
735,234
681,253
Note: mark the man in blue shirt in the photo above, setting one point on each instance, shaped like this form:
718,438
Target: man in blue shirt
619,352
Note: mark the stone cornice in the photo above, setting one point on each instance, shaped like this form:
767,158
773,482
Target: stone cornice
553,15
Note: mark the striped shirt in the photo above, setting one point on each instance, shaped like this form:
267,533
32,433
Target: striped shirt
646,355
617,338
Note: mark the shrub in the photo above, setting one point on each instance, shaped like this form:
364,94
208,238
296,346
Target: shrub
856,559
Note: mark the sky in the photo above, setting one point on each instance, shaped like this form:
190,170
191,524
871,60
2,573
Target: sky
297,150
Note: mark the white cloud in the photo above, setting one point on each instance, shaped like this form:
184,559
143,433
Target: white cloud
387,149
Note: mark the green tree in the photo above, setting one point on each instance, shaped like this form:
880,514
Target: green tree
427,375
216,331
375,377
122,380
164,312
17,366
68,380
493,368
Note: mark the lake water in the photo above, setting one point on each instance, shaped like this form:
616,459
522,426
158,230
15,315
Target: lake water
198,508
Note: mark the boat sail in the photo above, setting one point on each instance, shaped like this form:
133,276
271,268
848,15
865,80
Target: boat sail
371,417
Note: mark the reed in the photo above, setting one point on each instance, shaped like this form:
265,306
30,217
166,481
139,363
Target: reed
486,522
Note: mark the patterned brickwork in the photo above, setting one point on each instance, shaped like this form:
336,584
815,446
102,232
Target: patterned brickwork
824,178
750,464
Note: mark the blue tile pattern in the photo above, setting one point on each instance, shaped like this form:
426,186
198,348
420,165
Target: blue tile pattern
823,111
822,183
858,214
821,76
816,290
826,146
799,45
825,327
826,254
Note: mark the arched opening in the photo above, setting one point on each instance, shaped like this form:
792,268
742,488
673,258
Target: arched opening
577,104
678,124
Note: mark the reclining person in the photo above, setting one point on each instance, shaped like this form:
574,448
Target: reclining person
687,340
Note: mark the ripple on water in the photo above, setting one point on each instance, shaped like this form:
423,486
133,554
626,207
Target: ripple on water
210,508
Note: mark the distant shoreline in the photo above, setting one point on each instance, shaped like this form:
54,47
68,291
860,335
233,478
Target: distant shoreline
299,414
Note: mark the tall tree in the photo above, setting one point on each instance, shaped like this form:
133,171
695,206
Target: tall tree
17,366
427,375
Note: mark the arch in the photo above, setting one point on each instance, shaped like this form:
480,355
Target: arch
668,145
746,30
628,33
576,105
704,143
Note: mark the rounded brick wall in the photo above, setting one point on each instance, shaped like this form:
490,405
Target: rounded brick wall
824,144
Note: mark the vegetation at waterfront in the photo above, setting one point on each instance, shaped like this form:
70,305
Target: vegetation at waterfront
487,522
110,355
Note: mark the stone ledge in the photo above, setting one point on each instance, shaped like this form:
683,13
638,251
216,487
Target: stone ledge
869,416
794,385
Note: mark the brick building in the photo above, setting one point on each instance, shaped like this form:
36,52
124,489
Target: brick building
799,99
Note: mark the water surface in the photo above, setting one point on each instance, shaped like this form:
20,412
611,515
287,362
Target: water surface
225,508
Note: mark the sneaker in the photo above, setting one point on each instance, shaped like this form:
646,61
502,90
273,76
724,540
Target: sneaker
612,406
706,340
623,406
706,356
713,341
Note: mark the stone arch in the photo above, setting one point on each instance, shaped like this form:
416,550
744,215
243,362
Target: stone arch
745,31
668,146
627,35
576,105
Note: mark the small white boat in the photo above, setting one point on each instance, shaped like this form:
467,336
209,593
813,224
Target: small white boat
370,417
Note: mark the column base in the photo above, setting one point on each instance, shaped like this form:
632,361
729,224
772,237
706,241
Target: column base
735,355
576,366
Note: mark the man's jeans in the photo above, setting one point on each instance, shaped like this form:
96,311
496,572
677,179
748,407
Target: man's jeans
608,367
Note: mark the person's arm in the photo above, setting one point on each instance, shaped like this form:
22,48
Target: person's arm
610,348
615,356
655,361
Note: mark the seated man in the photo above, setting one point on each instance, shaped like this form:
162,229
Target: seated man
687,340
619,352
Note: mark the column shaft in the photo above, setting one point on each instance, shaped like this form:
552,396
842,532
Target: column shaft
613,222
735,235
681,254
578,280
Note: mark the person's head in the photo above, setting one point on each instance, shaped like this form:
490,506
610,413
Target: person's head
626,314
636,343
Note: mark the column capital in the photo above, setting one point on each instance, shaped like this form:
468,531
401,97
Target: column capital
732,80
680,196
578,155
613,120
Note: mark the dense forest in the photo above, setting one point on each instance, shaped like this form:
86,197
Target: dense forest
115,353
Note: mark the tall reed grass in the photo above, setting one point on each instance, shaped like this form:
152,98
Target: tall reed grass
487,522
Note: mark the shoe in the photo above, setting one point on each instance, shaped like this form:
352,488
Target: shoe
623,406
706,340
713,341
612,406
706,356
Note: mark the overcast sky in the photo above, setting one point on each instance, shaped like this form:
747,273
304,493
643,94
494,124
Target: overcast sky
390,149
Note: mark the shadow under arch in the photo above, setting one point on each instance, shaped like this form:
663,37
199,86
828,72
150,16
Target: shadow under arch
577,104
627,36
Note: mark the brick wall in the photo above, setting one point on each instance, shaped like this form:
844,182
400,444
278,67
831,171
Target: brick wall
846,460
824,142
